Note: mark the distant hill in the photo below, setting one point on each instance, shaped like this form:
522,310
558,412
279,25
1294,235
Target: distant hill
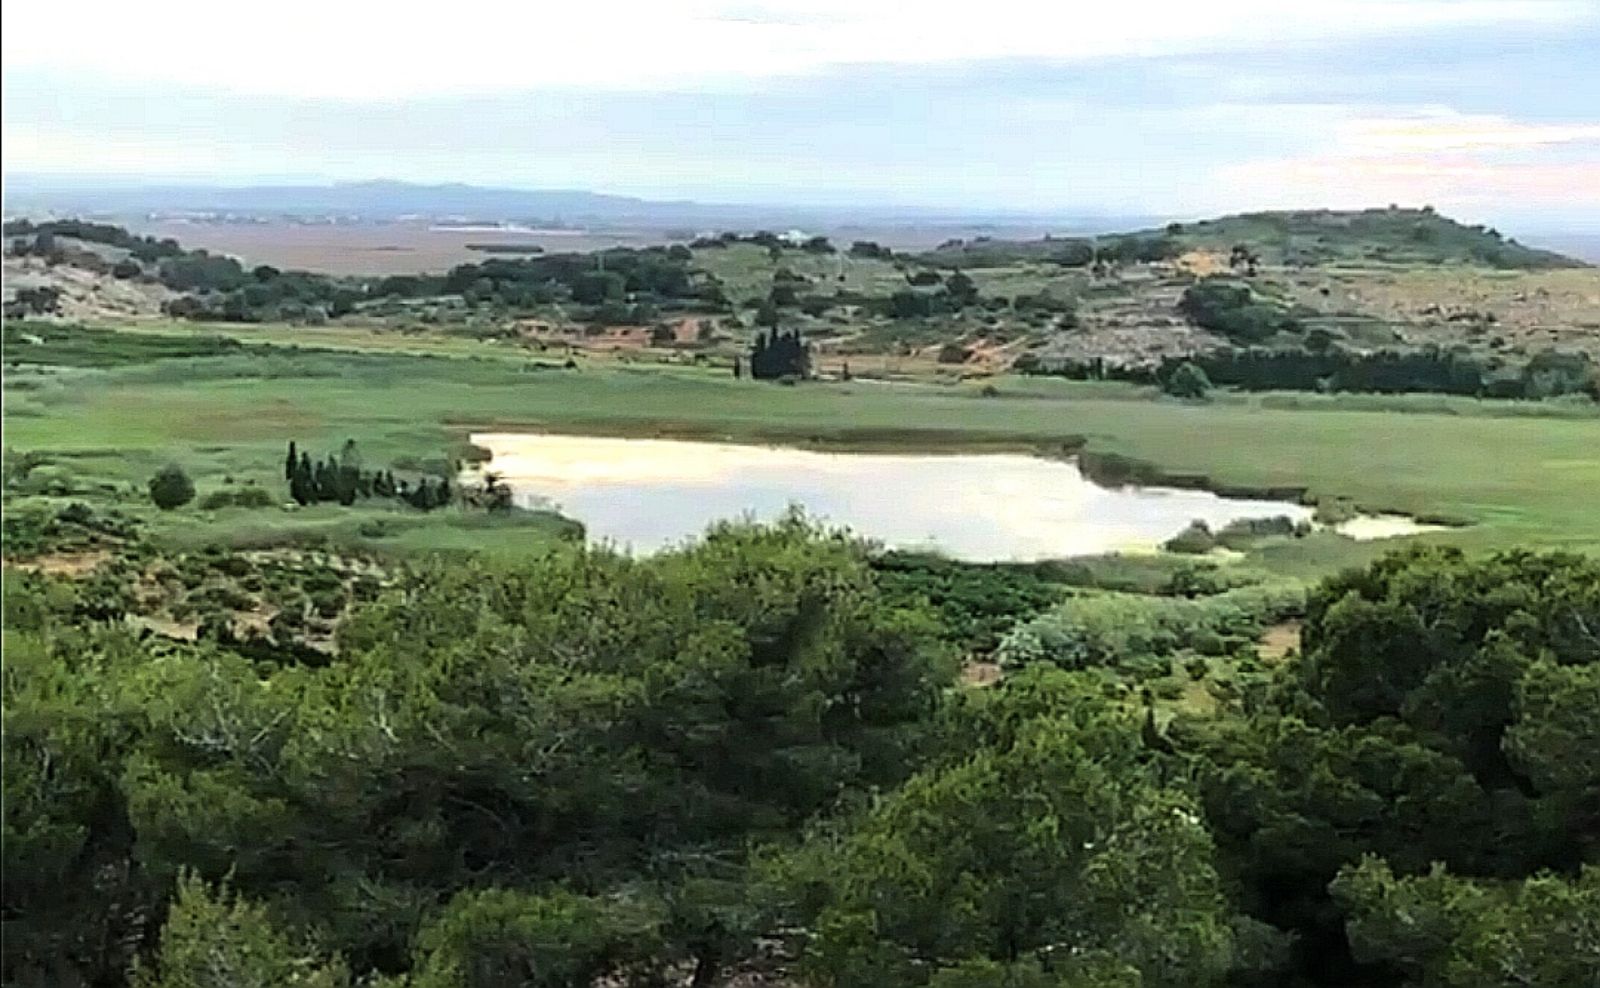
385,201
1305,237
376,200
1398,236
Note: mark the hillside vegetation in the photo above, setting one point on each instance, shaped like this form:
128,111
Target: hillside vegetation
1300,237
1388,236
1382,300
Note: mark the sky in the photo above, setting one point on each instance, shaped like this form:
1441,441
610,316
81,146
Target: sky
1486,109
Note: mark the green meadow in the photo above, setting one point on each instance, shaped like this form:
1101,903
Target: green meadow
1517,473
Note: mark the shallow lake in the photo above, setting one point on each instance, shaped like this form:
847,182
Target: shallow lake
644,494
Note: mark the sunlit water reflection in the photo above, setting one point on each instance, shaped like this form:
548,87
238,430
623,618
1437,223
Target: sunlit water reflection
644,494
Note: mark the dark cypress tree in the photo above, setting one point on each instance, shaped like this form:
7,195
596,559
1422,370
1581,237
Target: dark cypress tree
779,354
442,494
303,486
422,496
290,462
348,479
326,480
758,356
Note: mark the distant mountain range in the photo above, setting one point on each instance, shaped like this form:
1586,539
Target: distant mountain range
383,201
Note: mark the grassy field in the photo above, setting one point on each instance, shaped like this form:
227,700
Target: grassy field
1522,474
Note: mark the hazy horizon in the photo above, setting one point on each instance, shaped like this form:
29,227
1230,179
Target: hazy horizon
1155,109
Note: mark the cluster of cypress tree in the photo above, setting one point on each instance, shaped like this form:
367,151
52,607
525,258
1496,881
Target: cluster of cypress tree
779,354
341,479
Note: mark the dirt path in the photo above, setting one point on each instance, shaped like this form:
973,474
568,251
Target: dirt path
1278,641
71,564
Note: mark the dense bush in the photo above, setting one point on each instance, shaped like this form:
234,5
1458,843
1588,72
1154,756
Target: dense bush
1188,380
1195,539
1242,532
909,304
1120,629
870,249
1235,311
42,300
244,496
1137,249
1427,369
142,248
171,488
976,605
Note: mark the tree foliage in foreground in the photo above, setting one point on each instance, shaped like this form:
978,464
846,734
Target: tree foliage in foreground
588,769
588,723
1439,929
1442,712
1053,840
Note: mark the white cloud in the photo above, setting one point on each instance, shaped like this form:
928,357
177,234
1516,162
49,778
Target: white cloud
360,49
1471,162
1455,183
1444,130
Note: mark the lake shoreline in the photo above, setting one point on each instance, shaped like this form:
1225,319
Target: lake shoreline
1110,470
992,506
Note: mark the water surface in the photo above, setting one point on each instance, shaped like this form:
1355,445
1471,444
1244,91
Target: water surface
644,494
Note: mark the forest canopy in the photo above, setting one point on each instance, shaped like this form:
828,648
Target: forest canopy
752,751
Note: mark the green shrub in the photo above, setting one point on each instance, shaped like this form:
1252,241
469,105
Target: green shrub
1241,532
1193,540
248,496
171,488
1188,381
977,604
1167,689
1235,311
1331,511
1123,630
376,528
